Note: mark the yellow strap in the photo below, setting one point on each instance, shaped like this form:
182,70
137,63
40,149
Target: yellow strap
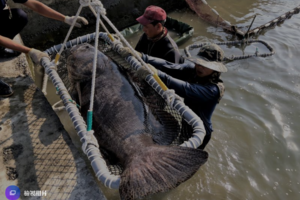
31,65
159,81
57,58
111,37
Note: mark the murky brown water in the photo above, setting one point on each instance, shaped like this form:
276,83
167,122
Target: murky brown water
254,151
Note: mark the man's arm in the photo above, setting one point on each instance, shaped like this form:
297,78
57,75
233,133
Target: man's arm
8,43
194,92
180,71
44,10
35,55
48,12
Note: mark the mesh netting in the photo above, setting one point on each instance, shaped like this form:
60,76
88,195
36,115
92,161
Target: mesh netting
151,99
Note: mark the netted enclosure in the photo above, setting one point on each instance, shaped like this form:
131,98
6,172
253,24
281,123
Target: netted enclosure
153,101
163,104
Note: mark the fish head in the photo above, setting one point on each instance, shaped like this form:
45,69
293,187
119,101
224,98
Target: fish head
80,65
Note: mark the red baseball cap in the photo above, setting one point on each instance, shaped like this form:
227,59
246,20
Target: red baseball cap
152,13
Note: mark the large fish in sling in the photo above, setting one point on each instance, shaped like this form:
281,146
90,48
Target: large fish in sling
119,117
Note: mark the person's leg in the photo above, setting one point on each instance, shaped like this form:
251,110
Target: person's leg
11,27
5,89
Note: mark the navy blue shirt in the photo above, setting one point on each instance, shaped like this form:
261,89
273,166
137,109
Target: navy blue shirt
201,98
3,3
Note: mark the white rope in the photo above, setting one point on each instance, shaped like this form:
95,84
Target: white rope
45,83
70,30
95,64
56,108
90,134
169,97
102,11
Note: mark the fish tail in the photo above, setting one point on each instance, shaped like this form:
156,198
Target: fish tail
159,169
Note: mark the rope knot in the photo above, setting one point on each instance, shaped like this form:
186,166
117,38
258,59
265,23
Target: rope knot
89,138
170,97
99,7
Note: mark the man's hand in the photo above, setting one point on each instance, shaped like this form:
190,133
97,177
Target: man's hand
143,72
79,21
37,55
125,52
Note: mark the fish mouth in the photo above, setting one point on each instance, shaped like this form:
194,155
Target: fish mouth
81,60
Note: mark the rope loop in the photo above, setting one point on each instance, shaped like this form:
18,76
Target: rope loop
117,45
89,138
170,96
57,108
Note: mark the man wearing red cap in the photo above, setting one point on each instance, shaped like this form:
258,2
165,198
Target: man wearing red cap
156,41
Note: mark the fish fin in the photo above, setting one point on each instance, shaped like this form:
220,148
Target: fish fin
159,169
163,127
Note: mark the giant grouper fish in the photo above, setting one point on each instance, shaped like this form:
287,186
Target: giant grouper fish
150,166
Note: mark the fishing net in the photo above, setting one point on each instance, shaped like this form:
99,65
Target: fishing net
210,15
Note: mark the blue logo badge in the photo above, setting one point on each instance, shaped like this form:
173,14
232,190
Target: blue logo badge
12,192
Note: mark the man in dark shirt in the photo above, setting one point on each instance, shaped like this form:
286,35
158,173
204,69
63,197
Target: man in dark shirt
12,21
156,41
197,81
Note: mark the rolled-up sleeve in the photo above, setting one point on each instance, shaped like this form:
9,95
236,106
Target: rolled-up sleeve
179,71
192,91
